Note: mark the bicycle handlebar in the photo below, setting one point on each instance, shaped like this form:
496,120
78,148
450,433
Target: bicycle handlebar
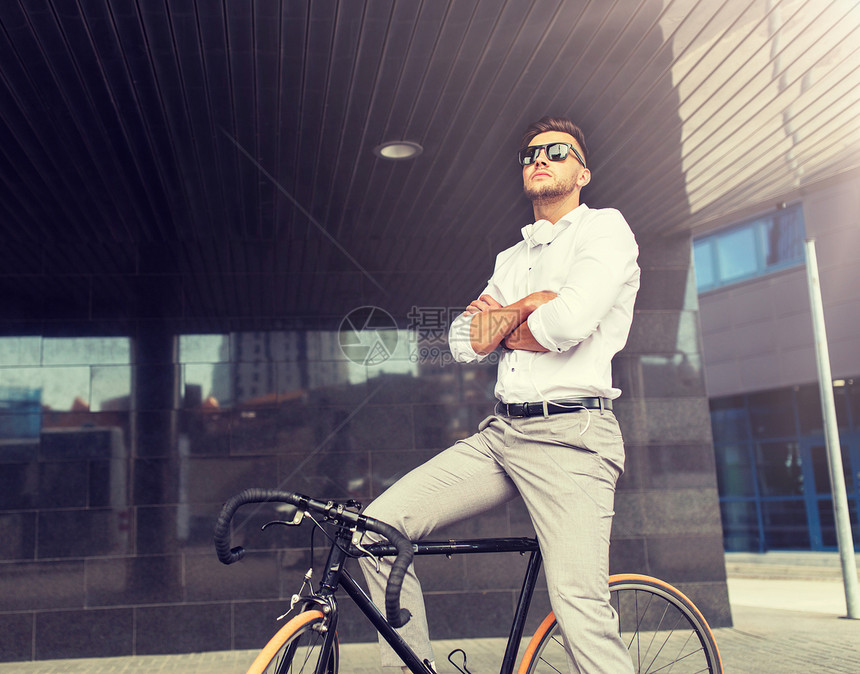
397,616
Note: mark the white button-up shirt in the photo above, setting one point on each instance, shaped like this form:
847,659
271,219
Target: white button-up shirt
591,264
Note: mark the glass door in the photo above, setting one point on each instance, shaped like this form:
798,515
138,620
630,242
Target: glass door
817,491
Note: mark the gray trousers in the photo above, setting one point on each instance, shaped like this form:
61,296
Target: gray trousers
564,467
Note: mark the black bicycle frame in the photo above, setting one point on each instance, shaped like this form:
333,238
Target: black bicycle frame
337,576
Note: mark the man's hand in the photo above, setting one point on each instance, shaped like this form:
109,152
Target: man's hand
483,303
521,337
495,322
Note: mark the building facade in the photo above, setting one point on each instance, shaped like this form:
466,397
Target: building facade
760,367
120,438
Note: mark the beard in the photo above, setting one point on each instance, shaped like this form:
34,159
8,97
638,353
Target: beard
550,191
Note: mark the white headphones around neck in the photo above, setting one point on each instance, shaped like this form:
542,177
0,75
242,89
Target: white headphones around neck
538,233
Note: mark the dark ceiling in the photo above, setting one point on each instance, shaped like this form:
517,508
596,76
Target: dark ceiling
170,158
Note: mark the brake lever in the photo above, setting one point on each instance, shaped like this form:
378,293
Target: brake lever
356,543
296,521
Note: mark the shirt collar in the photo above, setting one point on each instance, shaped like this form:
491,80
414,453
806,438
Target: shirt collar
573,215
569,218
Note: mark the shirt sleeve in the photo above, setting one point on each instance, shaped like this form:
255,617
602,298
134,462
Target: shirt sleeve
460,341
603,263
459,337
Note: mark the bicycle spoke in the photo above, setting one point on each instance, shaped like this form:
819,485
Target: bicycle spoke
551,666
662,631
297,649
667,638
672,664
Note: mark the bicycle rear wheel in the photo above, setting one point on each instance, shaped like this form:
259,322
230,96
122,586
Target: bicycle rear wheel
297,647
662,628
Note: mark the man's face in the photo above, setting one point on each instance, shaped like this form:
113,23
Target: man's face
550,180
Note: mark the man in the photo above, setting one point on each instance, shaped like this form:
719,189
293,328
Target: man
560,302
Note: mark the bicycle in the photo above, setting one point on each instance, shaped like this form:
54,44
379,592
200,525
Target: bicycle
663,629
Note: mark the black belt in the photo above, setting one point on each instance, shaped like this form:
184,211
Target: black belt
552,407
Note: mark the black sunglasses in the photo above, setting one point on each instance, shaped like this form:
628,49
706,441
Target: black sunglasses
554,152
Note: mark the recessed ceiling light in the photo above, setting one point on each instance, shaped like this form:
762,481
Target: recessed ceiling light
398,149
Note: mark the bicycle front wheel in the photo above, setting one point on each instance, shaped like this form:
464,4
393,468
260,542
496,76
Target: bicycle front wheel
297,648
662,629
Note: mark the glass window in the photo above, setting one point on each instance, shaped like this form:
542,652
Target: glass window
86,351
827,519
821,468
20,411
784,234
750,249
809,412
80,374
703,263
735,402
736,254
740,526
783,473
772,414
785,524
730,425
779,469
852,393
734,470
841,401
809,409
204,348
20,351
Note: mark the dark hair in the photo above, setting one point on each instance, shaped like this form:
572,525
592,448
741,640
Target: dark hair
562,124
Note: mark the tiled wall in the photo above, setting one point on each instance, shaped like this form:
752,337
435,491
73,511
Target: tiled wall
116,453
667,515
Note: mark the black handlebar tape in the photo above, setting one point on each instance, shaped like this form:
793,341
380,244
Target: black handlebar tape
229,555
396,616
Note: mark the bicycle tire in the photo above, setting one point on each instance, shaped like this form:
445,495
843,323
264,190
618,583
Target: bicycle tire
662,628
295,648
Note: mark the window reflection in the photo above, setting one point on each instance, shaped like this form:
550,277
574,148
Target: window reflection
784,238
703,262
779,468
740,525
828,522
735,476
772,414
20,412
736,254
771,460
65,442
172,422
749,249
785,525
71,375
254,368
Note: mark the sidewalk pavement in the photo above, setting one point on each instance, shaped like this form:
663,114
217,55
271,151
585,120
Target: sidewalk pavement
788,611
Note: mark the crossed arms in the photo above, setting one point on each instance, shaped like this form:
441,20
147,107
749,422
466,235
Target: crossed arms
495,324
